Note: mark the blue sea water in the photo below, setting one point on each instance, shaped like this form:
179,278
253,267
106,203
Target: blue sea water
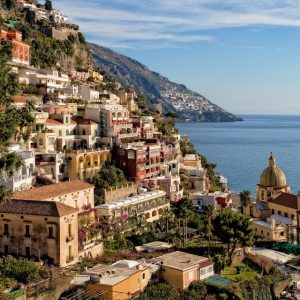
241,149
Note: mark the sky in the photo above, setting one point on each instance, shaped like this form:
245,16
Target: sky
243,55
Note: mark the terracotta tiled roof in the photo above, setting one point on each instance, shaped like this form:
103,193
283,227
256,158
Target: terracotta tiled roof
53,122
20,99
37,208
285,199
52,190
85,121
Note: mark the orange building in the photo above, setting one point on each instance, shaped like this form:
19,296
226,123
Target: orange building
20,50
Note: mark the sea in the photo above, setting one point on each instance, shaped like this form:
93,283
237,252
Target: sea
241,149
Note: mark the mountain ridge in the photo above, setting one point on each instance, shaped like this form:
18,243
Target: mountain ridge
161,92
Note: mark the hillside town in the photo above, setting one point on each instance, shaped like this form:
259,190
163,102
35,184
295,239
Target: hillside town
103,198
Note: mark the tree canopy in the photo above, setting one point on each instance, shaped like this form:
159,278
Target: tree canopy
109,176
233,229
161,291
14,122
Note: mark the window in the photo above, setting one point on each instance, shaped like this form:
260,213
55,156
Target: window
67,132
41,142
209,269
262,231
202,272
144,276
6,229
50,233
286,215
67,120
27,231
279,212
282,233
5,249
60,133
69,230
273,211
27,251
293,217
83,132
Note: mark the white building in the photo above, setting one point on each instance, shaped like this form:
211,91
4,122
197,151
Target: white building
88,94
151,205
54,81
23,178
58,16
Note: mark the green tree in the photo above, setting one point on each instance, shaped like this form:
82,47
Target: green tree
14,122
245,198
109,176
196,291
233,229
48,5
209,215
160,291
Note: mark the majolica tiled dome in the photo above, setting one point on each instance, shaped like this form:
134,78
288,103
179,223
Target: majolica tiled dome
272,176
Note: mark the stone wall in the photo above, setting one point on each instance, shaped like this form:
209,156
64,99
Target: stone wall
117,193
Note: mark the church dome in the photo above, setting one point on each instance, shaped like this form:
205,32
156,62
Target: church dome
272,176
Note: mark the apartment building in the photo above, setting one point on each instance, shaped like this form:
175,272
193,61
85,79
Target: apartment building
20,49
151,205
46,230
22,178
139,160
85,164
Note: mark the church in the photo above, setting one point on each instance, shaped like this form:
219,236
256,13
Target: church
275,213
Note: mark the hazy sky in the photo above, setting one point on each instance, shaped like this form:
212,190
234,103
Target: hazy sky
244,55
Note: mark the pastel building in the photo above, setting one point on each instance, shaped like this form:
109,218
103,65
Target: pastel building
139,160
180,269
74,193
45,230
85,164
20,49
123,280
114,122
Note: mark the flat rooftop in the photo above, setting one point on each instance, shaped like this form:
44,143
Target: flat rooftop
180,260
113,274
154,246
132,200
275,256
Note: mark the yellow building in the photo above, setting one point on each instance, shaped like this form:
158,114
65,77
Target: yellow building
123,280
84,164
74,193
40,229
276,209
272,181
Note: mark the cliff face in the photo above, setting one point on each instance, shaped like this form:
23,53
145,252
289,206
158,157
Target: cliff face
171,96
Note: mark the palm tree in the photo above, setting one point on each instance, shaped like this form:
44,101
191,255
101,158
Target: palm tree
245,198
209,211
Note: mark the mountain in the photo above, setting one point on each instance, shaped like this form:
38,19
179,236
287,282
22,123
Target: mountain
173,97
